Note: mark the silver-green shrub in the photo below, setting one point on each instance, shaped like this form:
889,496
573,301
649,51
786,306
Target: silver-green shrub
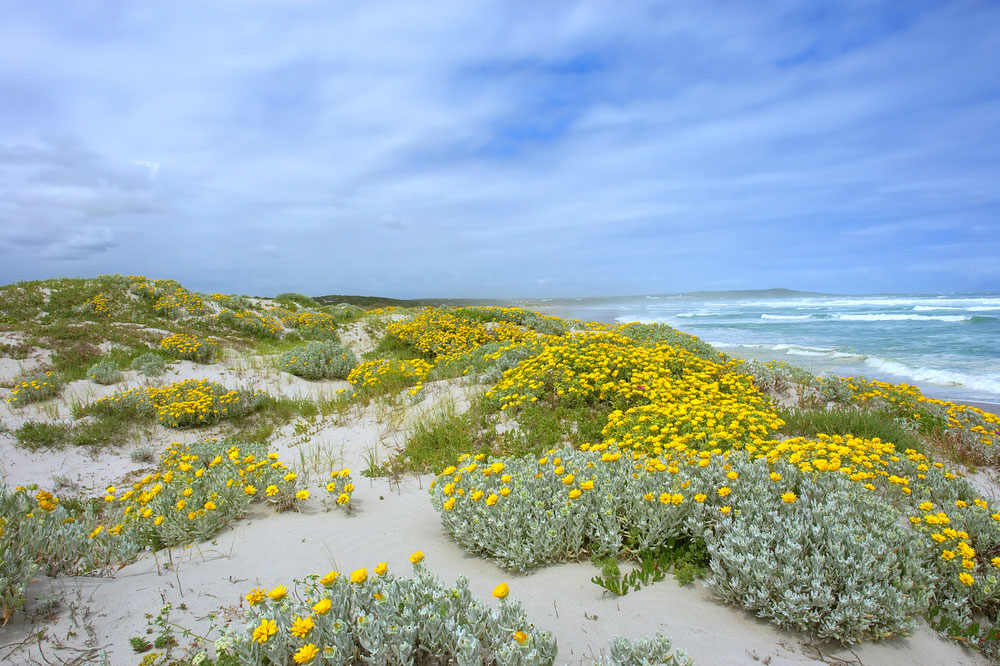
149,364
105,372
836,561
368,618
645,652
319,360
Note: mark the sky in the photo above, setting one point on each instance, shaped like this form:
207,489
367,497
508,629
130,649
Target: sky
503,149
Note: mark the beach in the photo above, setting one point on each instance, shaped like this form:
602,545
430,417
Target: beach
83,619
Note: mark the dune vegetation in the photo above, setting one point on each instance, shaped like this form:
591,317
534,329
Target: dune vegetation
840,508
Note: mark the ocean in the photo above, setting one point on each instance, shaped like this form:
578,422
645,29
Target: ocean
946,344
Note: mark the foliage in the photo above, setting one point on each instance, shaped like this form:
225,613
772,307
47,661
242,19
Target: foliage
248,321
376,618
191,402
319,360
34,435
388,375
149,364
105,371
190,347
34,388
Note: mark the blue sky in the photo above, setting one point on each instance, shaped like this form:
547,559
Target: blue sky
503,149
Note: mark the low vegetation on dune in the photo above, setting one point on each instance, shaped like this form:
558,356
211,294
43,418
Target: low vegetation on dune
838,507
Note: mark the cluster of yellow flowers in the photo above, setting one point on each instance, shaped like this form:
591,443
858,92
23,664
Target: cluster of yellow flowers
251,322
446,335
185,403
189,346
908,401
181,299
382,372
99,304
33,389
195,490
340,488
663,396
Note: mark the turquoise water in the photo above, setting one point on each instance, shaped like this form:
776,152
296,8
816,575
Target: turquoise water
947,344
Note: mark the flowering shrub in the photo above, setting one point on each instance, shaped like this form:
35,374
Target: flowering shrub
98,305
37,532
190,347
33,389
319,360
659,393
179,302
339,490
376,618
149,364
183,404
822,508
196,491
388,374
319,325
444,334
105,372
251,322
970,430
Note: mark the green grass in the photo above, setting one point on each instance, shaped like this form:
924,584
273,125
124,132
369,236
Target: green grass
34,435
439,439
391,347
851,421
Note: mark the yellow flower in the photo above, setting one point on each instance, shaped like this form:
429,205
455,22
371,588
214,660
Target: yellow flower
271,490
726,509
359,575
775,476
700,497
449,504
302,494
948,554
263,632
416,558
255,596
329,578
301,626
501,591
250,490
520,636
278,592
492,499
381,568
723,491
322,606
573,494
789,497
209,506
732,476
305,654
966,578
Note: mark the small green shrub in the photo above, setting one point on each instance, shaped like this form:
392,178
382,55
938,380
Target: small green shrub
865,423
248,321
40,435
319,360
376,618
654,334
149,364
105,372
189,347
34,389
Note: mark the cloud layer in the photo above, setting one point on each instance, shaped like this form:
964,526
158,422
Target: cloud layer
455,149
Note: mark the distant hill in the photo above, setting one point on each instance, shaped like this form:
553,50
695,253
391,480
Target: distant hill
753,293
383,301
